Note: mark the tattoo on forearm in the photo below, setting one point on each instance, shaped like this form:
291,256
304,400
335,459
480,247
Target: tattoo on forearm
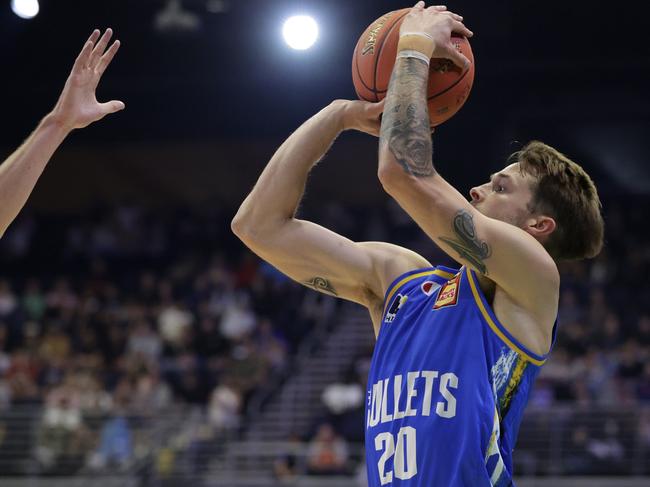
468,245
321,284
405,125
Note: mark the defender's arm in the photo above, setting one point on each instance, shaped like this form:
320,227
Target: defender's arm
76,108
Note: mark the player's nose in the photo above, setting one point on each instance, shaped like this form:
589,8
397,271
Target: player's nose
475,194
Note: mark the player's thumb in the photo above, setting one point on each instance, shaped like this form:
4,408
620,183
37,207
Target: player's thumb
112,107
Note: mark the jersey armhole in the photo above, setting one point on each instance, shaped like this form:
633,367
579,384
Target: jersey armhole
499,330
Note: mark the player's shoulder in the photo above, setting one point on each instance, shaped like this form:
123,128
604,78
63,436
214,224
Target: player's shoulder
389,262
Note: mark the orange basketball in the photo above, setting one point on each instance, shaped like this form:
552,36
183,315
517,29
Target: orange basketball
374,58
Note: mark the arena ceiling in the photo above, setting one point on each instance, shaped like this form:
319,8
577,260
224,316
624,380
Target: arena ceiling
543,69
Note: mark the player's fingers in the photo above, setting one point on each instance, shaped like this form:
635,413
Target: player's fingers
438,7
418,6
375,110
100,47
457,57
378,107
374,128
107,57
455,16
460,28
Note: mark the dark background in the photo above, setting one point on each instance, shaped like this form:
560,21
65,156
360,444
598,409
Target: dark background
209,106
131,218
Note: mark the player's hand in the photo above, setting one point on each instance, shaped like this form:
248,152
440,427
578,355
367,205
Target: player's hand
363,116
439,23
77,106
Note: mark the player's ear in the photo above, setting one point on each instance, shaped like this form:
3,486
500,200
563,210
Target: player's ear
541,226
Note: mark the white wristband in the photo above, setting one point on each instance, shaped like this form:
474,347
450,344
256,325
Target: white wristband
406,53
421,34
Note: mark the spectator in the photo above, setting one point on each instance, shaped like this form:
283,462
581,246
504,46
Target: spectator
289,464
327,453
116,442
224,408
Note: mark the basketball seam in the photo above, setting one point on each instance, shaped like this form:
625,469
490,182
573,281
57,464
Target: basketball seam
443,91
381,46
449,87
356,65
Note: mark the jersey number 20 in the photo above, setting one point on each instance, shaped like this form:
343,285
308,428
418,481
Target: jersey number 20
405,461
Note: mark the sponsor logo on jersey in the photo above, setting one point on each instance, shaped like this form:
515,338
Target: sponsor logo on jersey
448,295
398,302
429,287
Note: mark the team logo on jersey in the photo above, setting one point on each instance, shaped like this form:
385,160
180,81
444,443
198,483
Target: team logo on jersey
429,287
448,295
398,302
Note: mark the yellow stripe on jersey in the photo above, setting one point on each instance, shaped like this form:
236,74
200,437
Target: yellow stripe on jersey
493,325
393,290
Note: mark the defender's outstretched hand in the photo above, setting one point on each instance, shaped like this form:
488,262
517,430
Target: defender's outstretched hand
78,106
438,23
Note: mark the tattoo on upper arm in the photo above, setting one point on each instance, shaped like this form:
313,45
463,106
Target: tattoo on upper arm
321,284
405,123
468,245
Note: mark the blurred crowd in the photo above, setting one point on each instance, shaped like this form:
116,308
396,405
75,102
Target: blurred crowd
116,316
125,313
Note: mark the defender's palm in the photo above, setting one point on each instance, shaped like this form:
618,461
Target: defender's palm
78,106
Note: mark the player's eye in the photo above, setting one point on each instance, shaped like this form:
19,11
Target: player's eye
497,188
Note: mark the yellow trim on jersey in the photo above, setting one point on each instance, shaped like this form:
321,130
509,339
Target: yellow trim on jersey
493,325
436,272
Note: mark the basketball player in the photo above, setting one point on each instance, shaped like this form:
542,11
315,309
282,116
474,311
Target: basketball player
457,349
76,108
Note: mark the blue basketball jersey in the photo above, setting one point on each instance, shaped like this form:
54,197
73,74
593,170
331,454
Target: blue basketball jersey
447,386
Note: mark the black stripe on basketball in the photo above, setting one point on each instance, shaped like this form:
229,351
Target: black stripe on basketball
374,81
356,64
460,78
443,91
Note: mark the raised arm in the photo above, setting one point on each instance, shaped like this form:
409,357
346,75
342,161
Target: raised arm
508,255
77,107
306,252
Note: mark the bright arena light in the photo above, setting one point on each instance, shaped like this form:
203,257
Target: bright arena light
300,32
25,9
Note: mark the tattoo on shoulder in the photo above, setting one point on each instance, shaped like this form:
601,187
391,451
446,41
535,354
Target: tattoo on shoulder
467,243
405,125
321,284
